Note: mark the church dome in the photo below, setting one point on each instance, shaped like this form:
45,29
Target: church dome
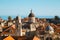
49,30
31,14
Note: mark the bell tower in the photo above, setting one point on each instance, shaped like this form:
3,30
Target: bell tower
19,26
18,19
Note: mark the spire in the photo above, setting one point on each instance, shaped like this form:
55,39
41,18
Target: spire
31,14
31,11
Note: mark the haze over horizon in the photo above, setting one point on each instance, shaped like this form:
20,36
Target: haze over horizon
23,7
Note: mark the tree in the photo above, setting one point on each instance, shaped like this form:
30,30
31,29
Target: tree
56,18
9,18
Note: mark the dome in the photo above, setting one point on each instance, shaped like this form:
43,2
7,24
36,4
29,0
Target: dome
49,28
31,14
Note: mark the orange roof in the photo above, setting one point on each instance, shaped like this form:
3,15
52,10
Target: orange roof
9,38
5,26
36,38
58,30
13,26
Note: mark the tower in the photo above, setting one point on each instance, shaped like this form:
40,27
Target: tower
18,19
31,17
18,26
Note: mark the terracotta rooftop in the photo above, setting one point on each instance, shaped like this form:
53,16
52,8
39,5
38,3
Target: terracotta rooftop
9,38
36,38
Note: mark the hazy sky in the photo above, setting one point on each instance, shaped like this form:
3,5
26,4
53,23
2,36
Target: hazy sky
23,7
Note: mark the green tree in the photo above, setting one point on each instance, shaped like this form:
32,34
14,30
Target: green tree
56,17
9,18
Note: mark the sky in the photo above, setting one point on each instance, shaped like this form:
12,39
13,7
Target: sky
23,7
